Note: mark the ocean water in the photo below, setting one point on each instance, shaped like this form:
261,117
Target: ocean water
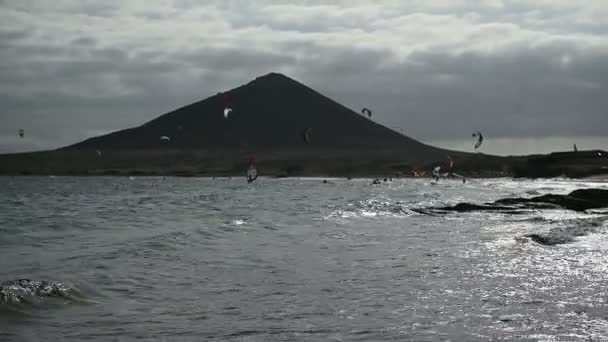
191,259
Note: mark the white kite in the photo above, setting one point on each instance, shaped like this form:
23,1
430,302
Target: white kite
227,112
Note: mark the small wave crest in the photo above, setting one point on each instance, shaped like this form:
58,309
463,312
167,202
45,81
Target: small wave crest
25,291
371,208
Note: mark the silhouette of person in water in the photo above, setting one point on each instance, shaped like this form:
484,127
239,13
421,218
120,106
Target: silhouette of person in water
252,172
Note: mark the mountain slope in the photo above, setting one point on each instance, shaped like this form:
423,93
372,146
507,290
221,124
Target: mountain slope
271,112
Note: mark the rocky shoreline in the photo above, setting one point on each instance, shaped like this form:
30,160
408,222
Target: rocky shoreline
565,232
578,200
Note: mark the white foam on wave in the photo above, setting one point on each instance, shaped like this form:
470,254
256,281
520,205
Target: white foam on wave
238,222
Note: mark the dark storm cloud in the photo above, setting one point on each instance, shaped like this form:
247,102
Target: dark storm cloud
438,69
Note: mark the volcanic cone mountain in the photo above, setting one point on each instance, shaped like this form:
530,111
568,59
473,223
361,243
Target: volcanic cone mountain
288,128
272,112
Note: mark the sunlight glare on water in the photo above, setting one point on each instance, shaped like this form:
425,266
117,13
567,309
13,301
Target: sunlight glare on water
297,259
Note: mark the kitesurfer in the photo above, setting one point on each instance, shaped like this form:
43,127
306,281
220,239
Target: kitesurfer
449,164
252,172
436,171
449,167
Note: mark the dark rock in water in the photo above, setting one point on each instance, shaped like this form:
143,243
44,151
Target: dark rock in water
567,233
18,291
578,200
466,207
510,318
550,240
597,196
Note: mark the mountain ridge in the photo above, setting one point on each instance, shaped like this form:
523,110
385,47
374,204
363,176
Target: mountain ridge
270,112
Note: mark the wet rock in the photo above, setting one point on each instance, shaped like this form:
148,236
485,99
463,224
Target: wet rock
598,197
510,318
550,240
578,200
465,207
567,233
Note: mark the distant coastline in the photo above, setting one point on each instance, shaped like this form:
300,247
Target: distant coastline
332,163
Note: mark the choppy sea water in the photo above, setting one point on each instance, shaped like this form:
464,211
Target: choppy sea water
190,259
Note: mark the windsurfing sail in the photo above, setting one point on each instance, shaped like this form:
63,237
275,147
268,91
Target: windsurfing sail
165,138
21,133
252,172
479,137
436,171
449,163
447,171
306,135
575,148
227,112
366,111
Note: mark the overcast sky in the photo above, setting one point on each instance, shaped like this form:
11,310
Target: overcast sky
531,74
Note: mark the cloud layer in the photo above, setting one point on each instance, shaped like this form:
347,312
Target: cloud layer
437,70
